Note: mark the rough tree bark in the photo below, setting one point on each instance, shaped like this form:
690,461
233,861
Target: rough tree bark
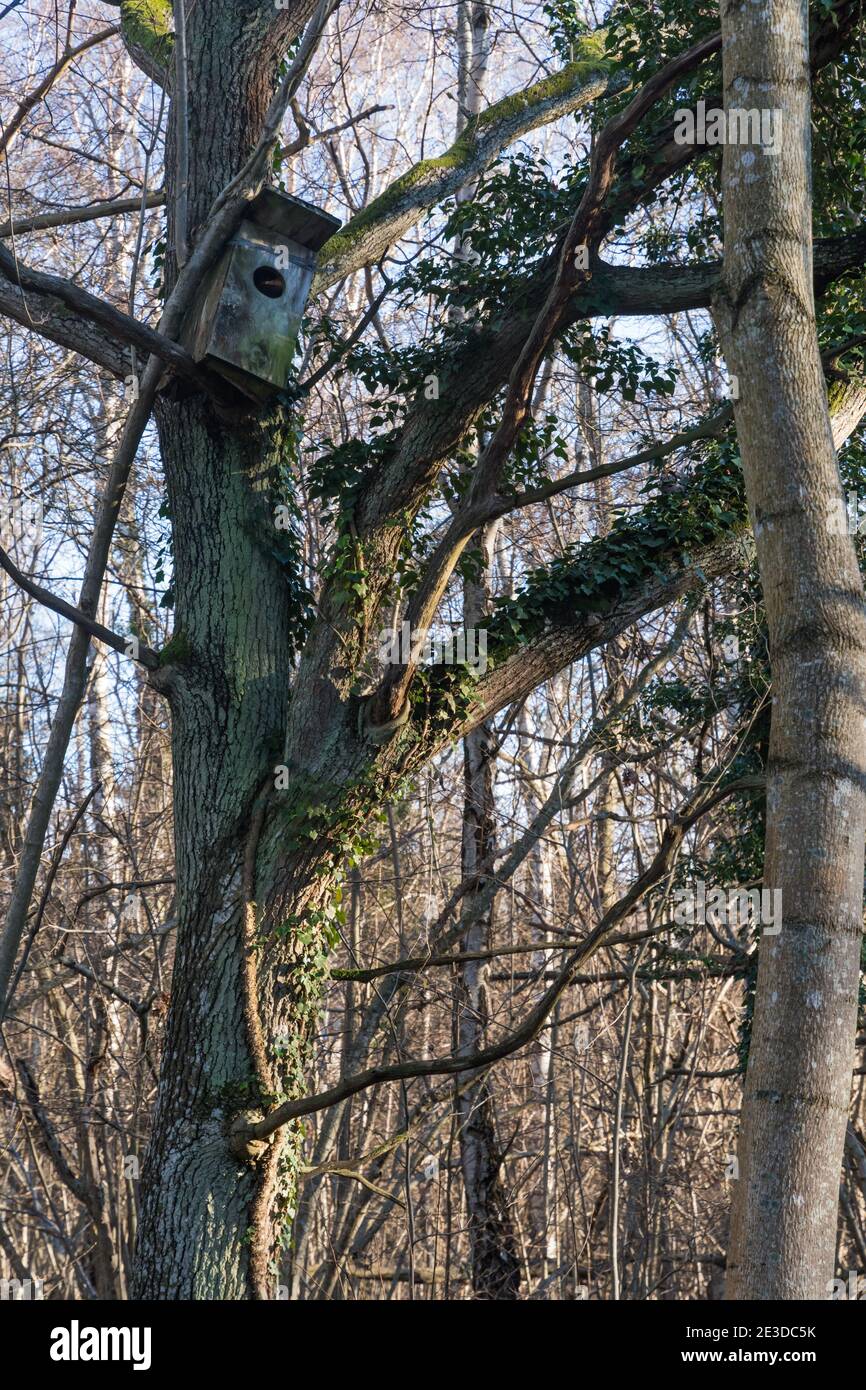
799,1071
495,1269
227,677
495,1266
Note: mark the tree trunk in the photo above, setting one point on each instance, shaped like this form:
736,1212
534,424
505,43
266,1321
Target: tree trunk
799,1072
201,1232
495,1267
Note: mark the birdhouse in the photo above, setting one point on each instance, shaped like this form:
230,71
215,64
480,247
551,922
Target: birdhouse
248,314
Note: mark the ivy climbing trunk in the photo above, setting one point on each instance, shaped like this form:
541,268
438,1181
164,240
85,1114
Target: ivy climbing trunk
204,1233
799,1071
227,688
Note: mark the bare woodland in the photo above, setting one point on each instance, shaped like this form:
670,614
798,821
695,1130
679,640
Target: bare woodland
330,973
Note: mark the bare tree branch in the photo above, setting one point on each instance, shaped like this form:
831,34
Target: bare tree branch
89,212
12,127
698,805
367,236
53,291
585,231
127,646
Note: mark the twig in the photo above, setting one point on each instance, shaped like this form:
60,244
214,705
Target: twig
68,56
43,901
127,646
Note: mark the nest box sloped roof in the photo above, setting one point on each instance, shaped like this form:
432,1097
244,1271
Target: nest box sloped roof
291,217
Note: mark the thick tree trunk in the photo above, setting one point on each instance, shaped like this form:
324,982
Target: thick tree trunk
203,1231
799,1073
228,697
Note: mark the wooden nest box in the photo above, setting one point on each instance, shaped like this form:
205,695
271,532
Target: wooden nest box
248,314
